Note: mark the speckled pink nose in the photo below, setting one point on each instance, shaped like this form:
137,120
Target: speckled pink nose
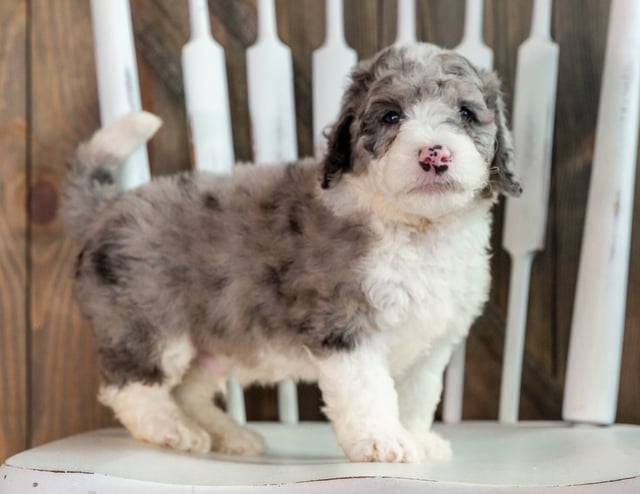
436,157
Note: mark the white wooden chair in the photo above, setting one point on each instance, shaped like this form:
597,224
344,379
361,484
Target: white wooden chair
584,453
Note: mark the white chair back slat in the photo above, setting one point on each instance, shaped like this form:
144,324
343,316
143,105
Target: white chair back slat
273,122
206,95
406,30
207,105
472,46
453,395
117,77
270,92
288,402
235,401
526,216
595,350
331,64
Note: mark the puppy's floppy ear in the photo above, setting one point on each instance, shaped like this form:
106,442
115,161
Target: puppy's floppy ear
338,158
503,176
339,155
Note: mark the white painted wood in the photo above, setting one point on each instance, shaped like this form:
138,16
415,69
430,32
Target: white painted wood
537,457
206,95
117,77
207,104
331,64
270,88
273,122
593,371
472,46
235,401
515,338
526,216
406,31
288,402
453,394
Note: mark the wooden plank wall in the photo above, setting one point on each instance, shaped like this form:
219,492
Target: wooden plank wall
14,433
48,103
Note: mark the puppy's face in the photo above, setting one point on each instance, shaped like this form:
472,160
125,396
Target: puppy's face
422,130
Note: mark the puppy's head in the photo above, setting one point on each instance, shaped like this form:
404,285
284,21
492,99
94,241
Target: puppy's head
423,131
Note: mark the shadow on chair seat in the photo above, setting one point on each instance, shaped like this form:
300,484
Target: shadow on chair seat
489,457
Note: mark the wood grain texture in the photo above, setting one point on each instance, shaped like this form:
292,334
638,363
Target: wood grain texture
362,19
64,111
160,31
13,228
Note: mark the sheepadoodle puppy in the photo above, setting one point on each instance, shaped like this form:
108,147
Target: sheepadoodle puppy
360,271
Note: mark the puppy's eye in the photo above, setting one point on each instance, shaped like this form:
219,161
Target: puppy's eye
466,115
391,117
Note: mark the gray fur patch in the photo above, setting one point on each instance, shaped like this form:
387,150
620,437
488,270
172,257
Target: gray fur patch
272,267
121,360
107,264
211,202
102,176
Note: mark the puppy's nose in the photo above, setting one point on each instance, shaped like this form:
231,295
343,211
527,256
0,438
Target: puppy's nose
437,157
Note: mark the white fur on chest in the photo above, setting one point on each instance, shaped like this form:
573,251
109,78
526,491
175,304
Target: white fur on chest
427,288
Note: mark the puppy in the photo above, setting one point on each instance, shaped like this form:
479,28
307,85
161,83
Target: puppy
361,271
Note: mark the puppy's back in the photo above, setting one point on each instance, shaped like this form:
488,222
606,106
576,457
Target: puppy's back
232,260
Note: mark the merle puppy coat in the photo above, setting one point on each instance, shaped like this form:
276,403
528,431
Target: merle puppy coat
361,271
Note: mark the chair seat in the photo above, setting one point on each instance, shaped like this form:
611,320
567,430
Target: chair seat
489,457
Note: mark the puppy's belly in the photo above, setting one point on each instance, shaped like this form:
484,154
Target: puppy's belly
269,368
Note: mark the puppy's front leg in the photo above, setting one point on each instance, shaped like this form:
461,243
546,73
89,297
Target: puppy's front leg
419,392
362,404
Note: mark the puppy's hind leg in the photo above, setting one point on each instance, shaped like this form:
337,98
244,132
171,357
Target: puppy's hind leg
143,402
195,396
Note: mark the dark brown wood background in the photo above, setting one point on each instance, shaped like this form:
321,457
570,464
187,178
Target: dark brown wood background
48,103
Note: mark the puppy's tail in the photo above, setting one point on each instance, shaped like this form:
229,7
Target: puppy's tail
90,182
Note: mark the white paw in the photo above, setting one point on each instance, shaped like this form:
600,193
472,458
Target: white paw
241,441
436,447
150,414
176,432
382,444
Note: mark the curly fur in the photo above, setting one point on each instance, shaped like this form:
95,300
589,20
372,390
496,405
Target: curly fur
355,271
